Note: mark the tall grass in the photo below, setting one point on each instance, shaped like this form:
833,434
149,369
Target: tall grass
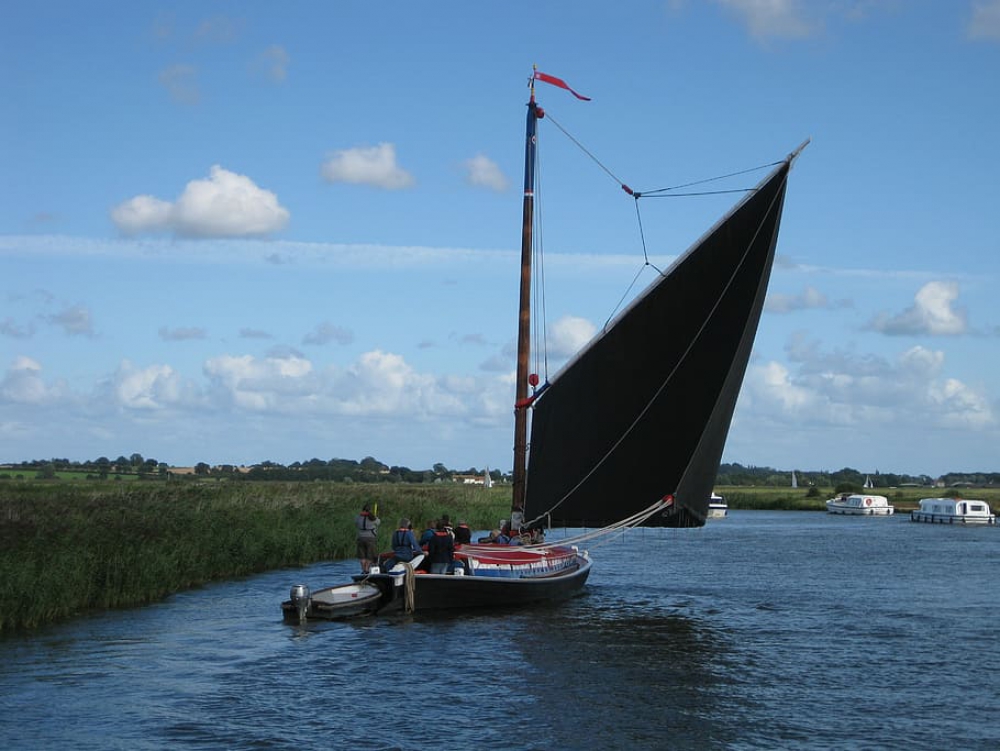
68,548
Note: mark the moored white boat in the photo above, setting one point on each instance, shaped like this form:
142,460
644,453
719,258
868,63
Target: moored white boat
860,505
953,511
717,507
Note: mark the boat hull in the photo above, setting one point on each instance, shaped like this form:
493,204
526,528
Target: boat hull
875,511
336,603
953,511
928,518
450,592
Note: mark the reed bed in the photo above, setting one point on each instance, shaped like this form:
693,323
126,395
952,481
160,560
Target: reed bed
66,548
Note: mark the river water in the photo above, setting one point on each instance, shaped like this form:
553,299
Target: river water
764,630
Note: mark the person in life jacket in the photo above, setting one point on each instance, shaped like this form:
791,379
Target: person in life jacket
463,534
367,537
404,544
441,550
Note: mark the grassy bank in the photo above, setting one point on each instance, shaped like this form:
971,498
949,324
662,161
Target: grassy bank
797,499
66,548
69,547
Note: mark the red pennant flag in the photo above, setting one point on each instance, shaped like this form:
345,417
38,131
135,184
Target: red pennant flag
560,83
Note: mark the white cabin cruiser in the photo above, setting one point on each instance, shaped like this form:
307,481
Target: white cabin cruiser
860,505
953,511
717,507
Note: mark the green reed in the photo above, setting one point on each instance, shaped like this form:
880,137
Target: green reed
66,548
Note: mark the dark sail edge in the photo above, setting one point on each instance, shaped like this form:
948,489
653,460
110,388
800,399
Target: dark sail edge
608,438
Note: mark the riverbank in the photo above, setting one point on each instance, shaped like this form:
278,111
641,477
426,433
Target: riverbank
70,547
798,499
66,548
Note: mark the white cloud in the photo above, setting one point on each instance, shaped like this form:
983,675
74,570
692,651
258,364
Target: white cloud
383,383
272,63
829,390
326,332
219,29
771,18
810,298
483,172
225,204
23,384
152,388
375,166
10,328
379,384
931,314
181,81
271,383
568,334
249,333
143,214
182,334
74,320
985,21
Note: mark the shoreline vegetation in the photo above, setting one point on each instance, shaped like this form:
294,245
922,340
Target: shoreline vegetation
70,547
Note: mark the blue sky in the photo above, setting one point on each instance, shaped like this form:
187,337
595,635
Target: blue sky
243,231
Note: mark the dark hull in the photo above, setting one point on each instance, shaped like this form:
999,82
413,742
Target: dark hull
447,592
441,592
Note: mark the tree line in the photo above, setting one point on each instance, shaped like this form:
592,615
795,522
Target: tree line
739,475
371,470
368,470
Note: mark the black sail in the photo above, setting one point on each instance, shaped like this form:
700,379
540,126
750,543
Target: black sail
644,410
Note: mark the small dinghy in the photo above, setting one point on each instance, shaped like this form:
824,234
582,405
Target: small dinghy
331,603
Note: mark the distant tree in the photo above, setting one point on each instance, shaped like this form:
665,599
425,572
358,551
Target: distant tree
202,469
371,464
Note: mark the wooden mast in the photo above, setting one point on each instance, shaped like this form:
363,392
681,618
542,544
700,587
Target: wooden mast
521,400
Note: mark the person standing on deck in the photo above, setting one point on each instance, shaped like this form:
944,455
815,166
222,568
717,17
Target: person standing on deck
463,535
367,526
441,550
428,533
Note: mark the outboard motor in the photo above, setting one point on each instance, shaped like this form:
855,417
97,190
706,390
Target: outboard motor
301,597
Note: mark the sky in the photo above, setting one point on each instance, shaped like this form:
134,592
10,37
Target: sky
237,232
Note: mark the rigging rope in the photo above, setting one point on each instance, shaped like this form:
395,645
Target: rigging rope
628,523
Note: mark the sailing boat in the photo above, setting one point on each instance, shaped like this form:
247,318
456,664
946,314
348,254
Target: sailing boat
644,454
